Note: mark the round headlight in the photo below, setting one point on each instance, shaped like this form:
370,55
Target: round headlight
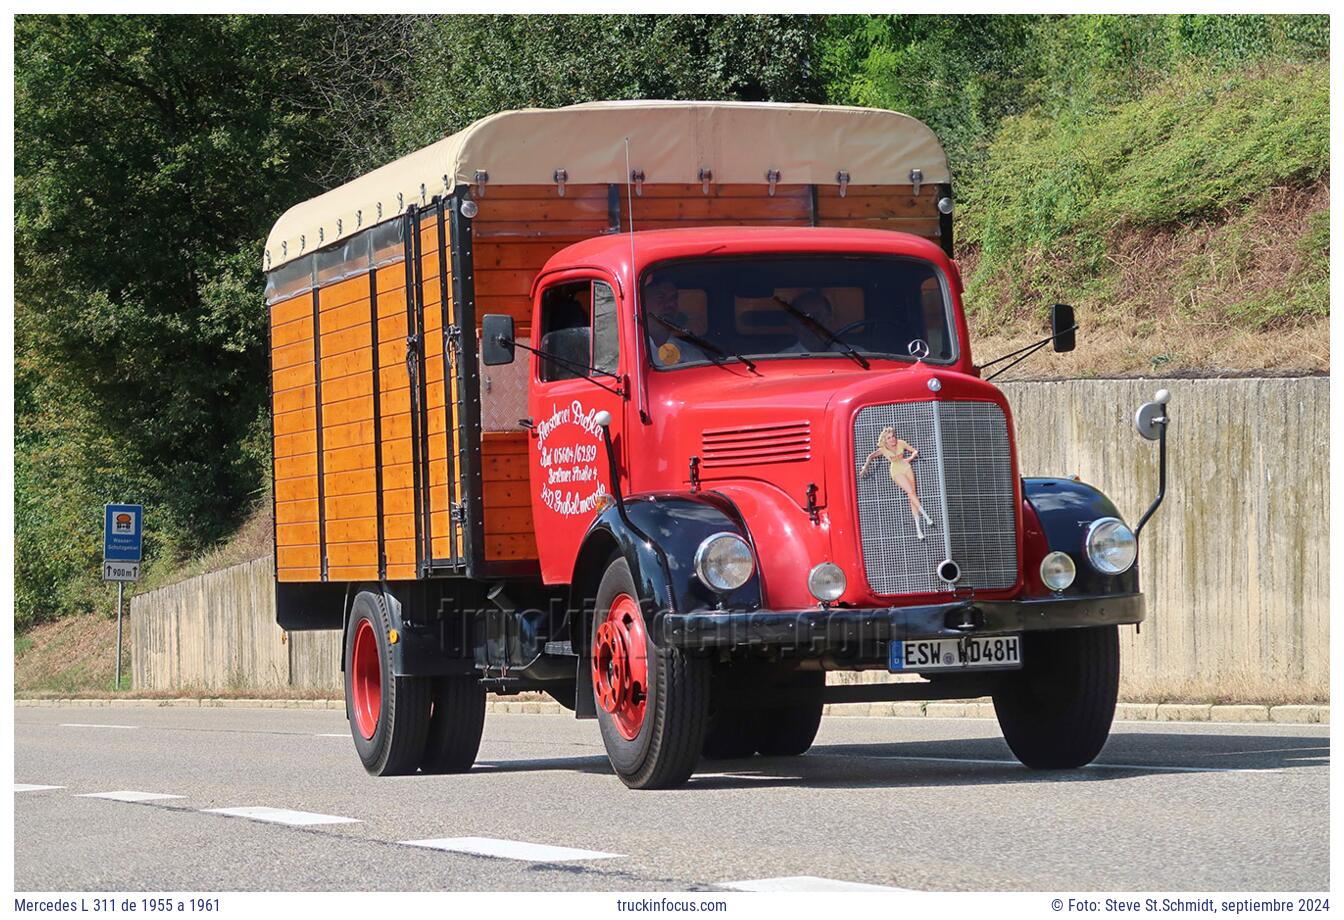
826,582
1058,571
1111,546
724,561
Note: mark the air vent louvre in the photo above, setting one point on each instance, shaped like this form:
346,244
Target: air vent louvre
753,445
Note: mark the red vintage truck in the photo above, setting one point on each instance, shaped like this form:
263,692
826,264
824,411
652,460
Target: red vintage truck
667,410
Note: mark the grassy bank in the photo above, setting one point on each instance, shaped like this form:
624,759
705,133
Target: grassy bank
1190,228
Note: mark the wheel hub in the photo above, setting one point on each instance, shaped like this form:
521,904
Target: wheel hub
366,680
621,667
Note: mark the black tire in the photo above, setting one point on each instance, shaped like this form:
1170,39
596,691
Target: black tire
457,718
729,734
664,751
787,731
398,740
1056,713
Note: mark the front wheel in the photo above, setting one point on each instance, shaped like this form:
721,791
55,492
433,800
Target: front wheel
651,703
1056,712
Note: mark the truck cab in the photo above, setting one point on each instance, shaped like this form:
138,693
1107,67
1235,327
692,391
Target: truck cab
671,441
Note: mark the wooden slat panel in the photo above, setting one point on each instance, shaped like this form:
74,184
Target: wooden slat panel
511,546
513,256
352,572
291,377
400,555
296,307
508,520
294,445
393,303
352,530
697,209
311,573
350,387
297,489
341,318
739,190
547,192
295,399
358,431
555,210
392,283
354,362
344,292
296,534
304,466
296,330
504,467
353,338
295,512
295,421
898,202
347,459
507,492
345,507
350,483
343,554
295,557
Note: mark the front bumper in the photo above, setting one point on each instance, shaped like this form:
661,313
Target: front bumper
865,633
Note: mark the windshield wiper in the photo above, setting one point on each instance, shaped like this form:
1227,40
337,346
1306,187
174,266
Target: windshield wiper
818,325
704,343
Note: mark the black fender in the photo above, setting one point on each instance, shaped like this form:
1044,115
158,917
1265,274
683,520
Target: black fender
1066,509
658,534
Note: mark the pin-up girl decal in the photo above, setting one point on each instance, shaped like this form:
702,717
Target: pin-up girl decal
900,454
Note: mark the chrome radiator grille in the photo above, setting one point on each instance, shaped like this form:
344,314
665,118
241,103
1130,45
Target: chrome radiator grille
964,480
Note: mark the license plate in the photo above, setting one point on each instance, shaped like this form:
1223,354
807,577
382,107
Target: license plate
966,653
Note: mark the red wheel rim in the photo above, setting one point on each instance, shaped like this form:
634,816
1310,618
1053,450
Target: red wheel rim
621,666
366,680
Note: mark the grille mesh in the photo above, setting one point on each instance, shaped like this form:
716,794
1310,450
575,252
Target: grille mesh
965,484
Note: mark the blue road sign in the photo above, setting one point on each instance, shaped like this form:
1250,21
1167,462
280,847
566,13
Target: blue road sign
123,527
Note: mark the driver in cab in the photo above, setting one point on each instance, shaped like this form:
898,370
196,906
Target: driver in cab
668,327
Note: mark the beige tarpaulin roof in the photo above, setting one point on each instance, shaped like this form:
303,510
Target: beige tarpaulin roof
738,142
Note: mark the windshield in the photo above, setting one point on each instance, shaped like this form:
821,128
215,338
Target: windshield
718,310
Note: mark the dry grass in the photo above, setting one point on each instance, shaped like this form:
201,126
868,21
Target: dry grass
1227,297
71,655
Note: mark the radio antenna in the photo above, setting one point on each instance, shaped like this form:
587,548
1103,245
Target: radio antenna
630,202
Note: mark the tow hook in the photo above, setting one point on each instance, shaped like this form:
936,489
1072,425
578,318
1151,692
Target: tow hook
965,618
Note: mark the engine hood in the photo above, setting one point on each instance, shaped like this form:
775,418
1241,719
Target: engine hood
783,423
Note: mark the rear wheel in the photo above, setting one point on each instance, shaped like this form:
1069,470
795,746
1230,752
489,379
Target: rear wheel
388,715
1056,712
651,703
456,721
789,730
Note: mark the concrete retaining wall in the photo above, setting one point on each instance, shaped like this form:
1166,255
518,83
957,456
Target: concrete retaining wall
1235,564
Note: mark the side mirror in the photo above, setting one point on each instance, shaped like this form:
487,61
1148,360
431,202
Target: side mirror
496,339
1062,327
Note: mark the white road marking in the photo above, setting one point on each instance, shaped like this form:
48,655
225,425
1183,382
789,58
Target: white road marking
333,734
804,883
128,795
280,815
32,787
94,725
510,849
756,776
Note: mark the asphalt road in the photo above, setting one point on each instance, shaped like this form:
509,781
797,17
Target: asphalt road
927,804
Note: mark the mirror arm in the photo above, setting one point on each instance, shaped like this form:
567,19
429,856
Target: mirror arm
563,362
1028,348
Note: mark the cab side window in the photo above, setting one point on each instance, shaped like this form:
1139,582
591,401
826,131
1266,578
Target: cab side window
578,331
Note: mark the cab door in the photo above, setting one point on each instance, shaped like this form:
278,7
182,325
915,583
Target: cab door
576,373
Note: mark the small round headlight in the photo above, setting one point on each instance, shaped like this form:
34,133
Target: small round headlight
1058,571
1111,546
724,562
826,582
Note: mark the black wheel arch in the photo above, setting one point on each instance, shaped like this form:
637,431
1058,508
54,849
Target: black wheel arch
658,535
1066,508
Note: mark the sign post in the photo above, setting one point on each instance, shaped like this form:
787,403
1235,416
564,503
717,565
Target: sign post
123,533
